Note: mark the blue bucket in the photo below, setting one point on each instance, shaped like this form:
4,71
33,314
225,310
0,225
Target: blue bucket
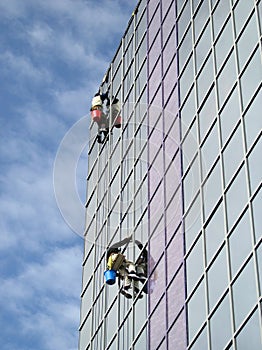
110,276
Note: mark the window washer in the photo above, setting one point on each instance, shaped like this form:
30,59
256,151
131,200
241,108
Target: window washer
101,115
126,270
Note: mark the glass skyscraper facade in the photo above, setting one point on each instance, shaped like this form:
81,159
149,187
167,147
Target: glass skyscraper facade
183,176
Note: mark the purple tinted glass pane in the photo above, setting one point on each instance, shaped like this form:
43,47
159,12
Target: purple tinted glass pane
177,334
175,297
157,325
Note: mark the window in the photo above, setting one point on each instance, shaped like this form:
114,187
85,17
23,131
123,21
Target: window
220,325
244,293
251,78
236,197
217,278
194,265
233,154
196,310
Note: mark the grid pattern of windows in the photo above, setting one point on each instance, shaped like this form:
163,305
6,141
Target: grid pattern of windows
182,175
220,74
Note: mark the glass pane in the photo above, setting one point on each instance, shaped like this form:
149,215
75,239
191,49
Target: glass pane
241,13
212,190
214,233
244,293
207,113
236,197
233,154
220,14
255,166
186,79
251,78
191,183
201,342
240,244
189,146
217,278
203,46
201,18
220,326
193,223
250,335
247,41
209,151
184,20
226,79
253,120
224,44
257,210
230,115
259,262
205,78
196,310
185,49
194,265
188,112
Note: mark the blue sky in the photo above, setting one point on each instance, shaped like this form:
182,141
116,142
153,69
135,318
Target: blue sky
53,55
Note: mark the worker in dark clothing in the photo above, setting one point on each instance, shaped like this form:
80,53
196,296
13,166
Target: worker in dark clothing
101,115
126,270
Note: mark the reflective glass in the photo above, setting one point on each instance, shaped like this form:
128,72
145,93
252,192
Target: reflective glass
192,223
201,342
217,278
229,116
224,44
253,120
205,78
247,41
226,79
141,28
203,47
255,166
196,310
212,190
259,262
233,154
220,326
170,79
169,50
128,55
260,14
185,49
140,54
241,12
191,182
194,265
257,210
250,335
210,150
186,80
207,113
244,293
177,337
220,14
214,233
168,23
154,53
175,296
184,20
153,27
251,78
240,243
189,146
165,8
188,112
201,18
236,197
